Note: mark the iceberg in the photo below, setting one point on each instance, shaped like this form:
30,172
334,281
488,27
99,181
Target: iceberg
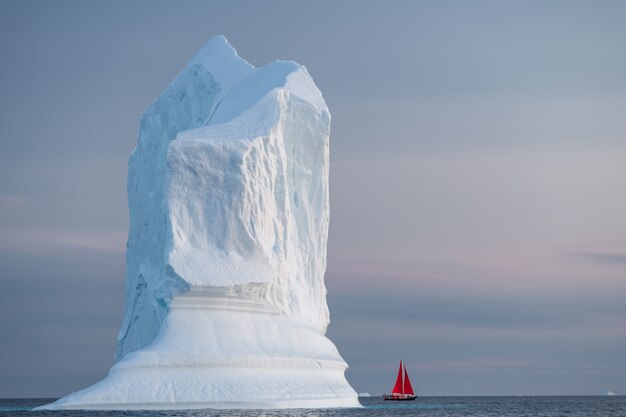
229,209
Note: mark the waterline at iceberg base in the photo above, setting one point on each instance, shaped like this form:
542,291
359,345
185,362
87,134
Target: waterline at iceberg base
225,295
223,352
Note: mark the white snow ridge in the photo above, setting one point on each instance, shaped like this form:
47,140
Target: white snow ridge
225,296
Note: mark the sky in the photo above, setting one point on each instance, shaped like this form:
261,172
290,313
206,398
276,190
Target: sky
477,182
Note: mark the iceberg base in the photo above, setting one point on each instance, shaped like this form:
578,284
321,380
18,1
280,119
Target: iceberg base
223,352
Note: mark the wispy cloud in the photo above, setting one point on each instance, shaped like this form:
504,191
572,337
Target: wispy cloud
35,240
602,256
8,201
460,364
376,272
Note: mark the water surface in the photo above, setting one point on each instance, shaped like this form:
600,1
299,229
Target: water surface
570,406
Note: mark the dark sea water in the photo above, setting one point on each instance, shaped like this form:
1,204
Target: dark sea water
376,407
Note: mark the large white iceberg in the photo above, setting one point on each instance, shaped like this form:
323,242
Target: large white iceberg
225,296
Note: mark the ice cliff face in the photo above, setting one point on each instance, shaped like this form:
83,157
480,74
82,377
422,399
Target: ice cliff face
228,190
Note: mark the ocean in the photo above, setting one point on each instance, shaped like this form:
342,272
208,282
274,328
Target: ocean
535,406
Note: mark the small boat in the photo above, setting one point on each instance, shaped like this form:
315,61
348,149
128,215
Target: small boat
402,391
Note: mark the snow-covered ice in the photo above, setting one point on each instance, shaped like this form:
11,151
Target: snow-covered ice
225,296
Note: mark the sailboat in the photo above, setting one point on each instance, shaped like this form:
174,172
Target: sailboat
402,391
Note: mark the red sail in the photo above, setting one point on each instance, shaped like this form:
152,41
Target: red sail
399,388
408,389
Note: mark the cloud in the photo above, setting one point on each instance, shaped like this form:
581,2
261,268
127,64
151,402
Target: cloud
607,257
37,240
8,201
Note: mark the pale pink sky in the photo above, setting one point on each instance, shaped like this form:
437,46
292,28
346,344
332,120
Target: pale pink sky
477,182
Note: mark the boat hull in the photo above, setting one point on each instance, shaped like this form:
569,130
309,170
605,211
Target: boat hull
396,398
